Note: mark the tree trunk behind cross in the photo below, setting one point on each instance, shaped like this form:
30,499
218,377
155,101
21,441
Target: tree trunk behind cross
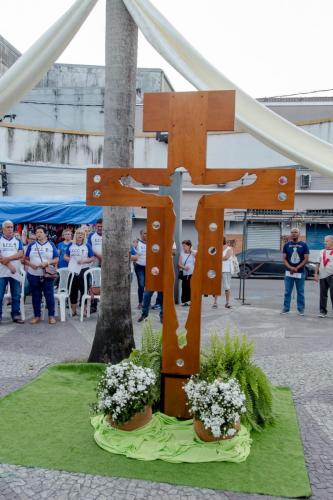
114,331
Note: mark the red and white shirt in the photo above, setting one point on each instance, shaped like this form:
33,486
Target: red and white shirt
325,261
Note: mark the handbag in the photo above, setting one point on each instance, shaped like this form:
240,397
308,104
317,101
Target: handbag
181,271
49,271
234,265
95,290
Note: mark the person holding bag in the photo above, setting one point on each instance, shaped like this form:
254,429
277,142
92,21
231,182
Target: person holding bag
41,258
79,256
186,266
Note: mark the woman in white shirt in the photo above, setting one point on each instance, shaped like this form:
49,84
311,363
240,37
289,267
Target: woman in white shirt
226,274
186,265
79,256
39,255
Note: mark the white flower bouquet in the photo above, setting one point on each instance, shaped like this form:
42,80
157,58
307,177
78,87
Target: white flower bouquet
217,405
125,390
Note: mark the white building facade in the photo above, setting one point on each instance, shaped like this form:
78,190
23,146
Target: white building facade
56,132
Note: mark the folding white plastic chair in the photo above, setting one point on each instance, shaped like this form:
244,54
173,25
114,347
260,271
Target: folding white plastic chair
8,294
62,293
92,277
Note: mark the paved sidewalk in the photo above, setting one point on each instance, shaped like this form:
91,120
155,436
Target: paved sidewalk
293,350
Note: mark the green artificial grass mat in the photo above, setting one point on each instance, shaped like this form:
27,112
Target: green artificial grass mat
46,424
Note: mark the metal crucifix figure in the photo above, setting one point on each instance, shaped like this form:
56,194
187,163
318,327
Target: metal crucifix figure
188,117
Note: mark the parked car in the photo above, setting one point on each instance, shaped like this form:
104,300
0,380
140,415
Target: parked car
266,262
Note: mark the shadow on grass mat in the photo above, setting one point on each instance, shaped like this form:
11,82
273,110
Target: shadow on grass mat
47,424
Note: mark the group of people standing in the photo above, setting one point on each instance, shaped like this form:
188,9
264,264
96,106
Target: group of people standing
296,256
186,264
76,252
81,251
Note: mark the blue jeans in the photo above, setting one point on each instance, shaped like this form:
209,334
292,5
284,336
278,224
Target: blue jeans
39,285
288,288
15,290
140,272
146,302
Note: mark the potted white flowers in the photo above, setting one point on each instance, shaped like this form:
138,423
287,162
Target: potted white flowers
216,407
125,395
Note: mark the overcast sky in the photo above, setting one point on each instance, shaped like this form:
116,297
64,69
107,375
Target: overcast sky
267,47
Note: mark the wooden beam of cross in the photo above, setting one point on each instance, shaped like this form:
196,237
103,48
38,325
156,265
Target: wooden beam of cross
187,117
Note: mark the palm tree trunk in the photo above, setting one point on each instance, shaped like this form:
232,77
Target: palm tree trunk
114,331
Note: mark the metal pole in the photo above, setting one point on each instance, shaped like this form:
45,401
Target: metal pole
242,277
175,192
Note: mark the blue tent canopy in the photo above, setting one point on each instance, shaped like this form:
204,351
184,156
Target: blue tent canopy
44,211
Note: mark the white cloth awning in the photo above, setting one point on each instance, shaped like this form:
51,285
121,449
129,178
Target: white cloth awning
252,116
270,128
30,68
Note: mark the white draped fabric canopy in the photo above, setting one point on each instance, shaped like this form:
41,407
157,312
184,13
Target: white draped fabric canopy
265,125
30,68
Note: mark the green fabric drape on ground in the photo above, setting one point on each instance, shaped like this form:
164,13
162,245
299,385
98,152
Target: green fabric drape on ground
46,424
166,438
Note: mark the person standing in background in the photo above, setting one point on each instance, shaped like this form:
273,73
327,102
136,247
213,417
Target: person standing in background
95,241
324,274
295,256
39,255
11,253
186,266
226,274
140,265
62,247
79,256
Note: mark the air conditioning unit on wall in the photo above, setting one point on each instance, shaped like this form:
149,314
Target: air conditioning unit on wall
305,181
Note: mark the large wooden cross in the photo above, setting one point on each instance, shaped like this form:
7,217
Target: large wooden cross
188,117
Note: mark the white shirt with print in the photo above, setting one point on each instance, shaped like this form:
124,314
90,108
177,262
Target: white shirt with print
8,247
325,263
95,240
38,253
141,251
76,253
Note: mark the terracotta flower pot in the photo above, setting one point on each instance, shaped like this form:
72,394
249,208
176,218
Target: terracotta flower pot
206,435
137,421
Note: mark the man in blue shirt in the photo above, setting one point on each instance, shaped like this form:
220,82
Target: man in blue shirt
295,256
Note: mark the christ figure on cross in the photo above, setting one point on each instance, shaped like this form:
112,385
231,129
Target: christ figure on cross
188,117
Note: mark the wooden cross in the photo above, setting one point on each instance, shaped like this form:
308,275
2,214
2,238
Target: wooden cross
187,117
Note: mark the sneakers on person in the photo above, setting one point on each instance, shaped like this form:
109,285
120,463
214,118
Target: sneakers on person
228,306
186,304
142,317
214,306
156,306
52,320
300,313
322,315
284,311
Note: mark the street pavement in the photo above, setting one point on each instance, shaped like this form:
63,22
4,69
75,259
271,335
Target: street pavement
293,350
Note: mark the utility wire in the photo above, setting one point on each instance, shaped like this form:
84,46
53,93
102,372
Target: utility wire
299,93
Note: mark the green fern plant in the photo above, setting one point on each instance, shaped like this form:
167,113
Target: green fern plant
150,353
231,357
